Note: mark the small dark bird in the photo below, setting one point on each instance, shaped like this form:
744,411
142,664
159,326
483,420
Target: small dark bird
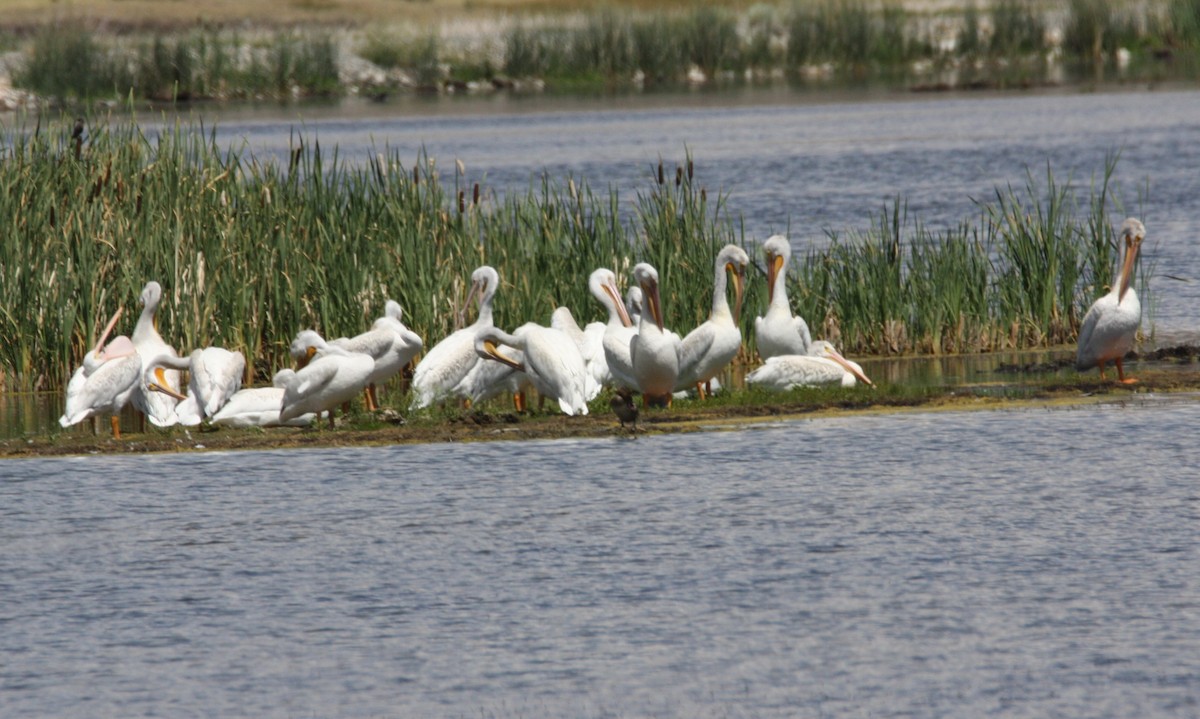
77,136
623,406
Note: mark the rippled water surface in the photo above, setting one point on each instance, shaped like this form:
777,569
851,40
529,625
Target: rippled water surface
1025,563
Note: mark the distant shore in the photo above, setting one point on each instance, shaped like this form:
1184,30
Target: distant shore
113,52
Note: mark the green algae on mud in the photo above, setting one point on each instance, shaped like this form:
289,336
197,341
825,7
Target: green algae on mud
744,409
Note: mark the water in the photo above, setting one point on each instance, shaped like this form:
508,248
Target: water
1023,563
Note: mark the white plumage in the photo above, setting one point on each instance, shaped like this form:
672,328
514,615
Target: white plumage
332,377
823,365
617,331
105,382
706,350
779,332
654,351
158,407
442,369
1111,323
214,375
389,343
259,406
552,362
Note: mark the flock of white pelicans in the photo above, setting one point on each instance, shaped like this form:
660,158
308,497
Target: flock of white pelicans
631,353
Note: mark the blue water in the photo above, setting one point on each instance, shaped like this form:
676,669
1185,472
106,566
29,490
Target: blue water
1038,563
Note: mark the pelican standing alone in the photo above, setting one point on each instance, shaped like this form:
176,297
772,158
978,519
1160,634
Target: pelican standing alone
707,349
447,363
1111,324
653,351
105,382
552,362
157,406
779,332
822,365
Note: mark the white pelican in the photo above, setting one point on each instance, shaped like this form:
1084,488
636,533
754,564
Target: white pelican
822,365
633,304
105,382
259,406
714,344
618,331
653,351
447,363
1111,324
333,376
159,407
214,375
590,341
487,380
552,362
779,332
390,344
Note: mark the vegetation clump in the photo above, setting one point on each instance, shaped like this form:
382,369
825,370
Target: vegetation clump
249,252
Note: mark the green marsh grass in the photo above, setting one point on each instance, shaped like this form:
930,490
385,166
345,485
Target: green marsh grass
72,62
249,252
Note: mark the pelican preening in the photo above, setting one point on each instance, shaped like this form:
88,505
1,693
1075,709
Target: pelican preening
389,343
105,382
778,332
823,365
332,376
447,363
214,375
1111,324
552,362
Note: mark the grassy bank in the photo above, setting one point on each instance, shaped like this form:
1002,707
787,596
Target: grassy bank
738,410
996,44
251,252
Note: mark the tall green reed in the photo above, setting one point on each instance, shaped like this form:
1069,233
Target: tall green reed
250,252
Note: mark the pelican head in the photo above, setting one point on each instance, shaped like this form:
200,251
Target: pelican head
634,301
392,309
155,375
484,282
821,348
1133,232
734,259
603,285
487,346
647,279
149,300
778,250
306,344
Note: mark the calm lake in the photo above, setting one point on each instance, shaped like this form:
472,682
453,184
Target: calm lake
1025,563
1022,563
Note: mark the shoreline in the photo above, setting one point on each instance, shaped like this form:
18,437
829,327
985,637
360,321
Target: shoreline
690,416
